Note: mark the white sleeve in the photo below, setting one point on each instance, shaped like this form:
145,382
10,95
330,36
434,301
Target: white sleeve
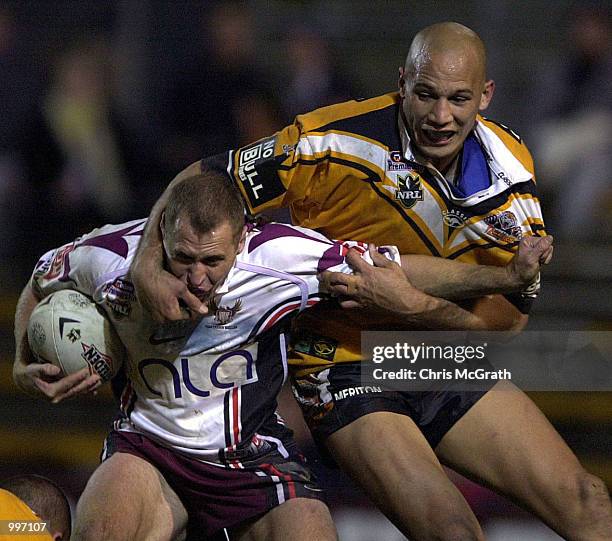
89,262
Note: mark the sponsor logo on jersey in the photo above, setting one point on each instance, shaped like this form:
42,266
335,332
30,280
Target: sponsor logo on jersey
504,227
409,189
356,391
203,374
454,218
156,341
257,172
100,363
171,331
502,176
316,346
119,296
396,162
224,314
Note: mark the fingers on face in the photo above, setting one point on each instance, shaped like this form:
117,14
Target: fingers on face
195,305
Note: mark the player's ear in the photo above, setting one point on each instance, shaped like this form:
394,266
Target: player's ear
162,223
487,94
242,240
402,82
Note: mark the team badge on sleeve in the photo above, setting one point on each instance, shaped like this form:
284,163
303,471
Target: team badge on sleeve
504,227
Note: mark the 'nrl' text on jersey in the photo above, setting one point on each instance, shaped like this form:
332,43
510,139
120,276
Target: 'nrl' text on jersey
348,170
203,387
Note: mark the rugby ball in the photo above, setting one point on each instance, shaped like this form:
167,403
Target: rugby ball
68,330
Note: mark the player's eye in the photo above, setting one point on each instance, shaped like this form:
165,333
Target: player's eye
213,261
459,99
423,96
183,259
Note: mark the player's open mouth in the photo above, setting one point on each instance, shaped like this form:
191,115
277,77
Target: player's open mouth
438,138
200,293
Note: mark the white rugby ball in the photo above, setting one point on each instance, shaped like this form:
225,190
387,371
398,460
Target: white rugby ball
69,330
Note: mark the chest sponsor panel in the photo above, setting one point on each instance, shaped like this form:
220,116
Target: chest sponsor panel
198,376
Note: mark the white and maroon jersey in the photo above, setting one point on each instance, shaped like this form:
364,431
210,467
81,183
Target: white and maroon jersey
202,387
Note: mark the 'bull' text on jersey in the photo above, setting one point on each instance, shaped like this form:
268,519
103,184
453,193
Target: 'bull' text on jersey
348,170
202,387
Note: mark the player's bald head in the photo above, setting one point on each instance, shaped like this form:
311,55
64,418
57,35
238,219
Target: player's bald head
456,44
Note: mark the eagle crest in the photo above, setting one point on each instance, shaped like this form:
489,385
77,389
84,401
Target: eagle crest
224,314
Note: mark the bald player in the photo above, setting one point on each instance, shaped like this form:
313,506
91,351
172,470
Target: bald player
421,169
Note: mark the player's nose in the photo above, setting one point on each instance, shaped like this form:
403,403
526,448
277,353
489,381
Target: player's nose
440,113
197,276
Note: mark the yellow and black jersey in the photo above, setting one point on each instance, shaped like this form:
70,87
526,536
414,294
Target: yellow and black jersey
348,170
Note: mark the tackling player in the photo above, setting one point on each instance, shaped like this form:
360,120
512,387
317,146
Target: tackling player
422,169
198,445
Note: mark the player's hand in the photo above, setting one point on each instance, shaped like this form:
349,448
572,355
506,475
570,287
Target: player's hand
45,380
161,293
532,253
382,286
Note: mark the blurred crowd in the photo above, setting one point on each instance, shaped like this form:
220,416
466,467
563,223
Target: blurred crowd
571,135
80,148
96,121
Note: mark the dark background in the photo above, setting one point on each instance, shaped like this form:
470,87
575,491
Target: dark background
102,103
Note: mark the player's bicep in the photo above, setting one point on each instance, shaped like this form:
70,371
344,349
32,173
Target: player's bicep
276,171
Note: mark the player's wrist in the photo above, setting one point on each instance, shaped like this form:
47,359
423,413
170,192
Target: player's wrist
514,280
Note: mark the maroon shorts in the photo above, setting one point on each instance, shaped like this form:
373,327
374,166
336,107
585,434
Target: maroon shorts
219,497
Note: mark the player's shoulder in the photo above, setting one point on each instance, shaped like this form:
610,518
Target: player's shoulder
90,260
495,132
319,118
283,246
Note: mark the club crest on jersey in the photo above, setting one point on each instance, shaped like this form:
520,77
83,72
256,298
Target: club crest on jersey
224,314
396,162
318,346
454,218
504,227
409,189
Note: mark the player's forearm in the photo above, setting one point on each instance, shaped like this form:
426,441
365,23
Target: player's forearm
454,280
439,314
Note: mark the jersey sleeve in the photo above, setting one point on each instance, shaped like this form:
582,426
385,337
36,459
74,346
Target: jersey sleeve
274,172
303,254
89,262
300,166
